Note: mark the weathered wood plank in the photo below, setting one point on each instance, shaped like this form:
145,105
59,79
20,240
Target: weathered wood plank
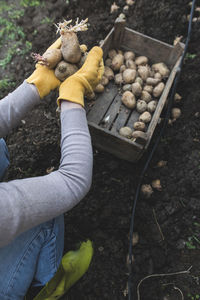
102,103
118,34
134,117
112,113
115,144
154,49
122,117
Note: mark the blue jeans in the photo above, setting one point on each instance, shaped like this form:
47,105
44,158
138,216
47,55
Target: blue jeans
33,257
4,158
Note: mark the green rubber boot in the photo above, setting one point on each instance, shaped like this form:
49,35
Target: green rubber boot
74,264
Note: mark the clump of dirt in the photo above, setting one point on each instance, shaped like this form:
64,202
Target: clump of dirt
168,223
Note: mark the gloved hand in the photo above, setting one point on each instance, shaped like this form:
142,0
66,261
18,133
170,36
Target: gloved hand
43,78
84,80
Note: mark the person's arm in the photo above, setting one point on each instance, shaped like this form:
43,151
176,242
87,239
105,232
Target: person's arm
16,105
26,203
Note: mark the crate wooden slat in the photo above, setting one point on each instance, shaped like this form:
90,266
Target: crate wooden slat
107,115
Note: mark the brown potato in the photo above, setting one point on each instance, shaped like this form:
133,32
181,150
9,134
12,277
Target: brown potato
129,75
119,79
148,88
145,117
152,81
141,106
64,70
128,99
129,55
151,106
175,113
139,126
126,132
104,80
112,53
136,89
108,72
145,96
161,68
108,62
130,64
139,80
141,60
99,88
117,61
122,68
143,71
158,76
127,87
70,47
157,91
52,57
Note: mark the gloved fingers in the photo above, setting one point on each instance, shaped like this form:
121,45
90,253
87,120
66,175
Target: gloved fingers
56,44
94,57
101,69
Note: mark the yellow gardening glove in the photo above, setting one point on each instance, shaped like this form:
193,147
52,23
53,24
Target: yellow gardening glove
43,78
84,80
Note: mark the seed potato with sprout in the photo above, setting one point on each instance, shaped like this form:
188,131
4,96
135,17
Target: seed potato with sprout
70,47
63,60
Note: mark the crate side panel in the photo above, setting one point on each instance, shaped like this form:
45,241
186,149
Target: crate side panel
155,50
102,103
118,146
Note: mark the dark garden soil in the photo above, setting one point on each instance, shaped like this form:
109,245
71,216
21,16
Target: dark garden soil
168,223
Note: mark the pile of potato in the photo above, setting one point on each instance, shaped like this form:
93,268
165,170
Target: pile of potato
140,84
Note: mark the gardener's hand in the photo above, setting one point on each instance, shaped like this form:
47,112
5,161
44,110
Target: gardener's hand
43,78
85,80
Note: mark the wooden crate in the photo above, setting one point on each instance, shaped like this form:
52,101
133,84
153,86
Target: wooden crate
108,114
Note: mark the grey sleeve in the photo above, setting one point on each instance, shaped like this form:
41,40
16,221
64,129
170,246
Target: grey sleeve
15,106
26,203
